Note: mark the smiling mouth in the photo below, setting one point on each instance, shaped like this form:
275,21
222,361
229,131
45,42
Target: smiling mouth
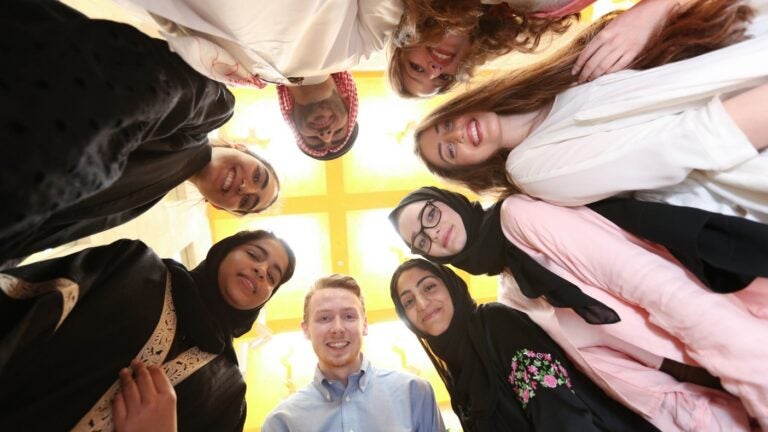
228,180
248,284
431,315
473,131
447,237
337,345
324,123
442,57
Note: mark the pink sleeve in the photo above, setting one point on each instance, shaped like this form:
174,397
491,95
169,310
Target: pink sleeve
567,9
585,248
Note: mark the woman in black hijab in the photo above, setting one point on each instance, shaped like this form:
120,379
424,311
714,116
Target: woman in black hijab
69,325
502,371
590,284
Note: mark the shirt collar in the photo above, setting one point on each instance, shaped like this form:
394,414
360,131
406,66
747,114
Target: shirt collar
359,378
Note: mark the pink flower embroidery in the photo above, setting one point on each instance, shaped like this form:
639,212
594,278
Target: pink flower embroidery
549,381
525,396
533,369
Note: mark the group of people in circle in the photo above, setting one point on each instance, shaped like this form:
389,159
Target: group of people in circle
629,230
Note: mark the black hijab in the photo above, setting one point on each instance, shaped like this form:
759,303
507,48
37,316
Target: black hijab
488,251
203,313
461,357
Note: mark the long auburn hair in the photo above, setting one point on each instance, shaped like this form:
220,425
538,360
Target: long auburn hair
493,30
704,26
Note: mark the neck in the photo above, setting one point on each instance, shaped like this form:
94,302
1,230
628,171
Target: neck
516,128
341,373
308,94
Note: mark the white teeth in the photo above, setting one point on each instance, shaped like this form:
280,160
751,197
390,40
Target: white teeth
228,181
440,55
338,344
475,134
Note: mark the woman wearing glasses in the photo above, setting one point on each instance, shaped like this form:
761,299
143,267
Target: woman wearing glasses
622,308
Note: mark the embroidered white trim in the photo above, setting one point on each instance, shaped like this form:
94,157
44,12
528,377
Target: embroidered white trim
99,418
20,289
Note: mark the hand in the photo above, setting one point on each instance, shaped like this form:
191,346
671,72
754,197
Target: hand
146,403
619,43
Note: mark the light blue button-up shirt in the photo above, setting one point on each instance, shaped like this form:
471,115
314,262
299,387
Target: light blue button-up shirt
373,400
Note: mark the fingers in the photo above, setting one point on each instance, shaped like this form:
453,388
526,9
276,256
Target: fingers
146,384
586,54
161,381
601,62
119,411
129,391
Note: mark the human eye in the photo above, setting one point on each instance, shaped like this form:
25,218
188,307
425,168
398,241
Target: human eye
244,201
429,287
256,175
432,213
323,318
272,279
416,67
350,317
420,243
448,125
407,303
451,150
445,77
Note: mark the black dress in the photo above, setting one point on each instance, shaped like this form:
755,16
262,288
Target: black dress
100,122
68,325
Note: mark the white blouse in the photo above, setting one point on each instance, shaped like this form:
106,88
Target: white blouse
240,42
639,130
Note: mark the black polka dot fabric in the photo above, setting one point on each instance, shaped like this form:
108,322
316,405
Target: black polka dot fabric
80,100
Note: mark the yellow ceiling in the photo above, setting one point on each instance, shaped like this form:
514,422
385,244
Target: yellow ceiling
334,213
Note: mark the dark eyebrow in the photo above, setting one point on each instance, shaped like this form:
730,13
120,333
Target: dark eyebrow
440,147
266,178
418,282
266,257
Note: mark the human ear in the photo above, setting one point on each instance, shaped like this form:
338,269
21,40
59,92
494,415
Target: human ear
239,146
305,329
365,326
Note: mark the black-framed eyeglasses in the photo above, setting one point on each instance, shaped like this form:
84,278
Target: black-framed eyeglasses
429,217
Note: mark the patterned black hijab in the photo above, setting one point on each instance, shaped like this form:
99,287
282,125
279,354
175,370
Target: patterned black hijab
488,251
203,313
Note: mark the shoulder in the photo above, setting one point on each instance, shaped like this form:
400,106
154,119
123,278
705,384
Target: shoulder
395,380
297,406
494,312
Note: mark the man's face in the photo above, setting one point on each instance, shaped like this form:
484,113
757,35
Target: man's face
336,326
322,124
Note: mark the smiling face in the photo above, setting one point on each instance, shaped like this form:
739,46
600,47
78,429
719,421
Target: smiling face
336,324
324,123
250,272
465,140
428,68
425,300
446,237
236,181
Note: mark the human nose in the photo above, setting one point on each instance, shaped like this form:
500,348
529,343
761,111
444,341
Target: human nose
337,325
433,233
434,70
260,268
326,135
247,187
421,302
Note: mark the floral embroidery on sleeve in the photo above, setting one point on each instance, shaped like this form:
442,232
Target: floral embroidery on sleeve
531,369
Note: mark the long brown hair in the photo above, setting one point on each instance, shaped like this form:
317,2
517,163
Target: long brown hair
704,26
493,30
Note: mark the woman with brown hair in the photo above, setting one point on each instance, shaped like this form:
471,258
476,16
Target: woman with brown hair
630,131
439,43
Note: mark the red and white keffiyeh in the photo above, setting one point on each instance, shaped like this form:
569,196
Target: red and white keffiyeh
348,92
